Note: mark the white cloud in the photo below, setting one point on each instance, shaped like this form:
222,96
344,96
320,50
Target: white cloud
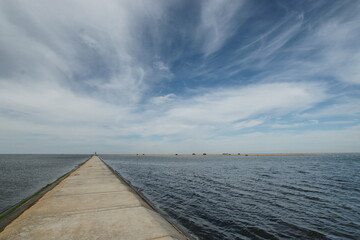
345,107
163,99
247,124
218,22
344,140
222,110
91,72
228,105
161,66
305,48
340,50
226,109
60,41
295,125
51,103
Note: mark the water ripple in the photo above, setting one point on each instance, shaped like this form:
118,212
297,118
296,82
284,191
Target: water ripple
294,197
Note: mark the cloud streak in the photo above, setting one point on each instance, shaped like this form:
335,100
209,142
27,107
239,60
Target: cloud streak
137,74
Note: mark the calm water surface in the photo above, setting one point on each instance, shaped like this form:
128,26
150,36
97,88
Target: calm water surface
22,175
277,197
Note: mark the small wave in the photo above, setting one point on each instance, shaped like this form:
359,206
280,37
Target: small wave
239,200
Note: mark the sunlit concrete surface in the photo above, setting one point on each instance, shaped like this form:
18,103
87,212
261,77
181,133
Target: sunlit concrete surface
92,203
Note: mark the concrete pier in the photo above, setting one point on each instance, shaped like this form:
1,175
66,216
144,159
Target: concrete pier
92,203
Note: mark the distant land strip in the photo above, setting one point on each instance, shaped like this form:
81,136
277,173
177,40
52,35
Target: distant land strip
225,154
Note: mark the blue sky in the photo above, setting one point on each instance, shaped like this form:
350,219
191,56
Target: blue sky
177,76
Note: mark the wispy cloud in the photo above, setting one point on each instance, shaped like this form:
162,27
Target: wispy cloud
219,21
183,74
228,105
296,125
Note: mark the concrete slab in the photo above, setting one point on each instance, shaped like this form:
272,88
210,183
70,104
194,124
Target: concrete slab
68,188
84,202
92,203
130,224
93,174
91,180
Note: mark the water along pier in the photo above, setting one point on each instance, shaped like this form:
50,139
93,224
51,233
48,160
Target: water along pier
91,203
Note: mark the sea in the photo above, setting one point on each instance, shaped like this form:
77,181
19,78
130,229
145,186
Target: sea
21,175
251,197
224,197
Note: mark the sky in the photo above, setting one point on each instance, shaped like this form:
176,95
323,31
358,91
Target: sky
214,76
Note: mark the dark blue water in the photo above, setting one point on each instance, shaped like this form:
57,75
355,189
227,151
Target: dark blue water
277,197
22,175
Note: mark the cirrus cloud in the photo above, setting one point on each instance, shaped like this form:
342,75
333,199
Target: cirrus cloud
138,75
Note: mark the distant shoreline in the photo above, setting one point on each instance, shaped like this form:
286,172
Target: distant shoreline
227,154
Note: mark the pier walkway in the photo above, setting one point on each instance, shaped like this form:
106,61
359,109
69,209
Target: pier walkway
92,203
